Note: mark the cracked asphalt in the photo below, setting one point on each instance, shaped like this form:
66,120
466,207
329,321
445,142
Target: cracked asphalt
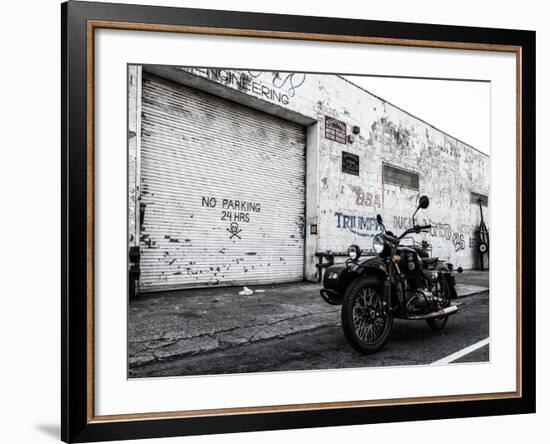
285,327
176,324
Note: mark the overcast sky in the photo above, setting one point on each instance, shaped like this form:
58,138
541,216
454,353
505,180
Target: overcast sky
459,108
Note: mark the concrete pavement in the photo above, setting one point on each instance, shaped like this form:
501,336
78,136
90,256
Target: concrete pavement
165,326
410,343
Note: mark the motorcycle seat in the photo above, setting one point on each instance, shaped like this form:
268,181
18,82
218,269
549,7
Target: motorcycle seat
430,260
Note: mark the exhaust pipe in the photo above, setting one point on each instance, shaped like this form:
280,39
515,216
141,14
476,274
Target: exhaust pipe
437,314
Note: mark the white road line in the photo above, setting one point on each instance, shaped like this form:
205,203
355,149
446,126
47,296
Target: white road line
460,353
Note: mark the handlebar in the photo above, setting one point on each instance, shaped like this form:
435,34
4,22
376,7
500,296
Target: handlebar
415,229
392,239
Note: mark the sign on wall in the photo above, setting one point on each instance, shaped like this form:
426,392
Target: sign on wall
350,163
335,130
233,211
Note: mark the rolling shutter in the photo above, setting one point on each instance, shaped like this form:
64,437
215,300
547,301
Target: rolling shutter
222,192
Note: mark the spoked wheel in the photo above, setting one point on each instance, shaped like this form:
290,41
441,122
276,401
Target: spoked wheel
366,325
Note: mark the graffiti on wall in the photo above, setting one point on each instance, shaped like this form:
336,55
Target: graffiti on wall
402,222
366,198
459,237
360,225
458,241
368,226
442,230
274,86
288,81
439,229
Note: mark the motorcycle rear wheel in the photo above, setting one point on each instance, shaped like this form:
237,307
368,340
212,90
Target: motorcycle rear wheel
366,326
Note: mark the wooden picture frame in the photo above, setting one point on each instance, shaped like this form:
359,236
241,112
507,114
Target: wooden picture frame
79,22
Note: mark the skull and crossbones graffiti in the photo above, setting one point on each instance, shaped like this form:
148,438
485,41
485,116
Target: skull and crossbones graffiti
234,230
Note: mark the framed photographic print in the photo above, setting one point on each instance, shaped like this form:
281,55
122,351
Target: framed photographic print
276,221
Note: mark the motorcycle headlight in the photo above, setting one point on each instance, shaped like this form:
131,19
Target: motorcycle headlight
354,252
378,244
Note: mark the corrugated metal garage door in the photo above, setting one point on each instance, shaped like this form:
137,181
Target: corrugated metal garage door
222,192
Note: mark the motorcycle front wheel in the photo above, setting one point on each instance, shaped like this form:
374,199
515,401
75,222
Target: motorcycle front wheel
365,323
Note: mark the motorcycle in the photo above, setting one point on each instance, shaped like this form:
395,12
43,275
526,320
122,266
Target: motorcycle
398,281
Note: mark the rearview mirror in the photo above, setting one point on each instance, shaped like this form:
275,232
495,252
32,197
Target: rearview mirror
424,202
379,219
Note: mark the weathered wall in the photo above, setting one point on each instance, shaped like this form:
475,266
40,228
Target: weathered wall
134,144
448,171
342,205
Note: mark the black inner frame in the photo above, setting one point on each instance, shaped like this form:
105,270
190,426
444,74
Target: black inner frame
74,423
